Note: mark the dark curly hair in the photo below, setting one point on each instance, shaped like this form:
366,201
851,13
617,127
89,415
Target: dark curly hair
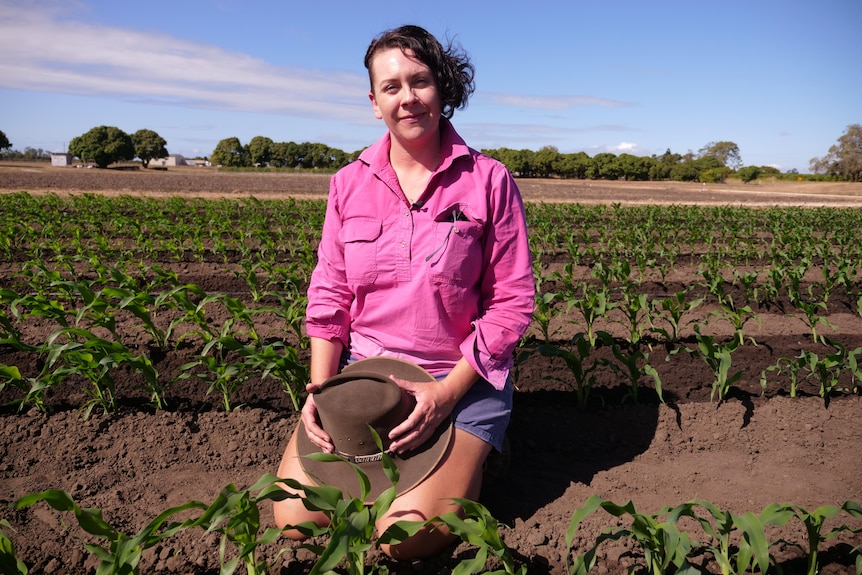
452,69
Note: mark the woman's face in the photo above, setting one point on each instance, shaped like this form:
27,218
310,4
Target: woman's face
404,95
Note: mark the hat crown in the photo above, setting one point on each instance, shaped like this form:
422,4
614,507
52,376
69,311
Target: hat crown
349,403
362,395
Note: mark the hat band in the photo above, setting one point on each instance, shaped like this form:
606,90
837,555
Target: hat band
370,458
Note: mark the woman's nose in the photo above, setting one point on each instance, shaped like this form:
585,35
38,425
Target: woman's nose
408,96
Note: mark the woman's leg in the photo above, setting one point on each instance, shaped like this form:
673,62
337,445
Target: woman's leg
459,474
292,511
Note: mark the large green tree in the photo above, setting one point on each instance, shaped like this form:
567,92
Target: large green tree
4,141
103,145
843,158
230,152
149,146
725,152
260,150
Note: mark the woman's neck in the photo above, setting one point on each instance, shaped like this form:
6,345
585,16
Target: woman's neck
414,169
421,158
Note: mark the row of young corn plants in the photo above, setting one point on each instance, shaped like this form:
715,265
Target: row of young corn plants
610,297
651,238
100,268
615,269
803,262
177,229
659,235
688,538
108,320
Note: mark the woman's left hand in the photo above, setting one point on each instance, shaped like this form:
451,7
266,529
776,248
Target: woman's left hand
434,402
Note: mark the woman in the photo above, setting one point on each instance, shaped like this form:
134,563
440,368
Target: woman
424,257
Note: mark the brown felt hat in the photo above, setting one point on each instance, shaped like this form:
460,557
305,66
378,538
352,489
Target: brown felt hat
363,395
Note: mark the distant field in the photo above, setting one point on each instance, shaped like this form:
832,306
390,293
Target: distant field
41,178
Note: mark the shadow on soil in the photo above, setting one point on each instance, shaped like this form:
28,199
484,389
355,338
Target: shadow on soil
555,443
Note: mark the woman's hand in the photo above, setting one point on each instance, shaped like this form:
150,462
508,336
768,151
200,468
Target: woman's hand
325,355
434,402
315,433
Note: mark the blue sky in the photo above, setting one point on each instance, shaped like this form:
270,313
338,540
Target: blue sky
781,79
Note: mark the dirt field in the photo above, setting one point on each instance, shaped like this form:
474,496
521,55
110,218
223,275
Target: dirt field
204,182
742,455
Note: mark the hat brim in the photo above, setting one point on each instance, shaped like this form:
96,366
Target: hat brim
413,467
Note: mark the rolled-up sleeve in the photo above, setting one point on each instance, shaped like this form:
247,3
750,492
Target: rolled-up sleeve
329,298
507,287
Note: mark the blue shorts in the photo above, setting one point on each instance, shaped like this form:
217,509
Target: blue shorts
483,411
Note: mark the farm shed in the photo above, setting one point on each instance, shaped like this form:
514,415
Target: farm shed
171,160
61,159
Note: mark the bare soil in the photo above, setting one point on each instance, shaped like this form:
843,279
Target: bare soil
743,454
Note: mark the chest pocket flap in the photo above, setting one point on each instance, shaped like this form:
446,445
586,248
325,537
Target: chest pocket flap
360,229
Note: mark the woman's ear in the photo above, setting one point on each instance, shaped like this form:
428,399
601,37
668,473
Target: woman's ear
374,105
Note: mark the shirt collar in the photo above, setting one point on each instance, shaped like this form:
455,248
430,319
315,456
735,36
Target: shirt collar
452,146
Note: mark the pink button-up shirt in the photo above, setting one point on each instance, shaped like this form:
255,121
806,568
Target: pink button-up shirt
447,277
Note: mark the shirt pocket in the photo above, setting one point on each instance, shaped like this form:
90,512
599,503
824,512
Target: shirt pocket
360,237
458,246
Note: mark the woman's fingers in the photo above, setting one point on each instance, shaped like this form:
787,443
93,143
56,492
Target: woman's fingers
315,433
422,421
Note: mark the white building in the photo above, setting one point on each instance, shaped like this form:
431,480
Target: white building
61,159
171,160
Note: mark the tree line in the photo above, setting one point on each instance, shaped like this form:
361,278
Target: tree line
714,162
264,152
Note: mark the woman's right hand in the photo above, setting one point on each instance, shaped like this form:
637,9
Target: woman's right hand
325,356
315,433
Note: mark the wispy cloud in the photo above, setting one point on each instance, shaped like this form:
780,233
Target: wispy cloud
42,50
50,46
552,102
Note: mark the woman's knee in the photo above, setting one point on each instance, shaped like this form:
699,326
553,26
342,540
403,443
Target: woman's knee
291,511
432,539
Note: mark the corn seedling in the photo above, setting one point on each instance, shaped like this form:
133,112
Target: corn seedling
10,564
122,553
221,376
666,548
748,281
671,310
544,308
291,310
635,308
476,526
240,313
828,370
815,522
142,305
235,514
593,305
719,527
277,360
783,365
576,355
717,356
814,313
634,364
543,312
351,522
34,388
9,334
191,302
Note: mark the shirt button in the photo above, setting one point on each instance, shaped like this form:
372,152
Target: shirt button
403,244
